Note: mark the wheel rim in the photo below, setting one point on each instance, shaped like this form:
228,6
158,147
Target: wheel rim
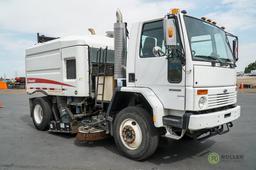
38,114
130,133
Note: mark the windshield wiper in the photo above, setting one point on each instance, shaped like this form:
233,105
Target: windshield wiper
210,57
228,60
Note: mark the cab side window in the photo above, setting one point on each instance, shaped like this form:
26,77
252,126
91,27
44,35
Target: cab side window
152,35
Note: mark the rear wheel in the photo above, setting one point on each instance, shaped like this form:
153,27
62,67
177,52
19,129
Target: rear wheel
134,133
41,113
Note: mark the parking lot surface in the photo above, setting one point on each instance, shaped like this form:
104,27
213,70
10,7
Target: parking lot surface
23,147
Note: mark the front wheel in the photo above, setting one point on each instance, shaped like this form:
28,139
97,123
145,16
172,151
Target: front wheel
134,133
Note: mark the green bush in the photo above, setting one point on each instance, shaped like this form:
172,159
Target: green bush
250,67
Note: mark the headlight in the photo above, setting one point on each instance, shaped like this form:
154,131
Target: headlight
202,102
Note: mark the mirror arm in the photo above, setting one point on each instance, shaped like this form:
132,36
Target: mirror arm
180,53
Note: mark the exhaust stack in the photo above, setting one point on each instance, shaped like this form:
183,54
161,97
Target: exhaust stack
120,46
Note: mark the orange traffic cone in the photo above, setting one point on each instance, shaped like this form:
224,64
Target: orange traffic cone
241,86
1,104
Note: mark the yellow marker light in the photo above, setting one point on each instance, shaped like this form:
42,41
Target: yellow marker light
209,20
203,18
202,92
175,11
170,32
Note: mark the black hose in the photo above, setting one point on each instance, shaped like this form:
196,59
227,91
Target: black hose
62,106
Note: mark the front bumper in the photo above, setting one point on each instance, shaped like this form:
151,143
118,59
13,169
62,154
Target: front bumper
210,120
196,121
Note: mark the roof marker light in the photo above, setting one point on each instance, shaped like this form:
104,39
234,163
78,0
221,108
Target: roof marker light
203,18
209,20
175,11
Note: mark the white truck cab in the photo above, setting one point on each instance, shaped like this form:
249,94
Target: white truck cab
173,77
200,79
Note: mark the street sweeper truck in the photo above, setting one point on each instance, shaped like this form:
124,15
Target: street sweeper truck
170,77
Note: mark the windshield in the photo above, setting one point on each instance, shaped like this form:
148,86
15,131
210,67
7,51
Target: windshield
207,41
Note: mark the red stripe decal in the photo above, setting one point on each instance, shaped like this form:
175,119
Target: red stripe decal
51,89
47,81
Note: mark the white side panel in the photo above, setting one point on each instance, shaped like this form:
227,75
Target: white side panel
41,68
46,67
46,71
208,76
80,85
41,61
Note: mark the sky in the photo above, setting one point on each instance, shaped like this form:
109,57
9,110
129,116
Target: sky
20,20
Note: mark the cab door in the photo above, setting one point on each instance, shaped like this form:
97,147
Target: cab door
163,75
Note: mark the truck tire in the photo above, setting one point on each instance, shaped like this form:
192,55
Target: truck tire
134,133
41,114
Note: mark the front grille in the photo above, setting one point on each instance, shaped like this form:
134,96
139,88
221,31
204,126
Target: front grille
221,99
217,109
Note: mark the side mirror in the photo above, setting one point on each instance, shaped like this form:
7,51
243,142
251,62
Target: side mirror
157,51
235,48
233,40
170,32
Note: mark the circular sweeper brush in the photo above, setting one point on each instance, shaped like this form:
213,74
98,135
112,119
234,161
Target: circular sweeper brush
86,133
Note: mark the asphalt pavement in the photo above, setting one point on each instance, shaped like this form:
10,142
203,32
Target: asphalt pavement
24,147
